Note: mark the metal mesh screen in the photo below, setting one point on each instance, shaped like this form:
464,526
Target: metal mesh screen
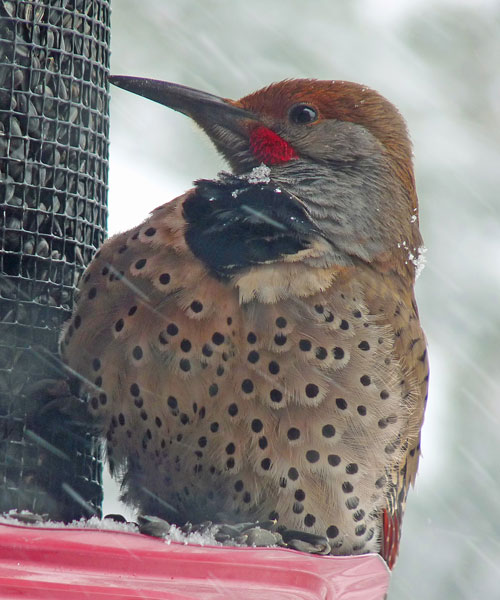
54,59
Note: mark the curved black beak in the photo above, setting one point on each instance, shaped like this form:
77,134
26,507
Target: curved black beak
223,120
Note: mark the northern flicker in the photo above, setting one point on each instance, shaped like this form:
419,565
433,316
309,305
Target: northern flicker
253,349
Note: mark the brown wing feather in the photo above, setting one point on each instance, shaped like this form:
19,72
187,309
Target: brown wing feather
397,306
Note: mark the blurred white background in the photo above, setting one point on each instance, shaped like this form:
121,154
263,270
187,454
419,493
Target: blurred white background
437,60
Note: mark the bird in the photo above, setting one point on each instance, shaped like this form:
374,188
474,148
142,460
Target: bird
253,349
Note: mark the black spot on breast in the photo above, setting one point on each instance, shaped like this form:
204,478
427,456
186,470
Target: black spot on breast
365,380
305,345
312,390
265,463
196,306
332,532
333,460
281,322
309,520
274,367
351,468
312,456
299,495
257,425
276,395
172,329
328,431
247,386
338,353
185,365
253,357
137,353
341,403
217,338
321,353
185,345
280,339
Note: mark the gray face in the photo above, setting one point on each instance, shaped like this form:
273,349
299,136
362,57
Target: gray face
344,177
330,141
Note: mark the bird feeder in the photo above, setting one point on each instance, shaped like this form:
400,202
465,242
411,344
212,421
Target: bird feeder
54,58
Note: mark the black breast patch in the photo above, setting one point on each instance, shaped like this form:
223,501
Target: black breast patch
233,224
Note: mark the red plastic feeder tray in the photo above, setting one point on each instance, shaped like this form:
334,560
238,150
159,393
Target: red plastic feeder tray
74,564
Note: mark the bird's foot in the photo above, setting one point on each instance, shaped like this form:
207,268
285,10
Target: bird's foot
305,542
255,534
56,396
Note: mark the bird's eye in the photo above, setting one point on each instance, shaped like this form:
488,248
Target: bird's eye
302,113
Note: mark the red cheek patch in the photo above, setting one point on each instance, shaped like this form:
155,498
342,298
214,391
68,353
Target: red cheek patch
268,147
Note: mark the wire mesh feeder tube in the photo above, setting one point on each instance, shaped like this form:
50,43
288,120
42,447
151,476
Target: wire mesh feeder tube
54,60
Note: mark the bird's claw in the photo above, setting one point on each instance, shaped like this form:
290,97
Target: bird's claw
305,542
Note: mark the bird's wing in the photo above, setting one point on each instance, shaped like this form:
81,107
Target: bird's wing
398,309
141,279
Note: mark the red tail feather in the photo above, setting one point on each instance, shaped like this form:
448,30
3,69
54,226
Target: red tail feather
390,541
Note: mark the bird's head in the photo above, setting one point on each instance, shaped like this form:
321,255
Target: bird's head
340,147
